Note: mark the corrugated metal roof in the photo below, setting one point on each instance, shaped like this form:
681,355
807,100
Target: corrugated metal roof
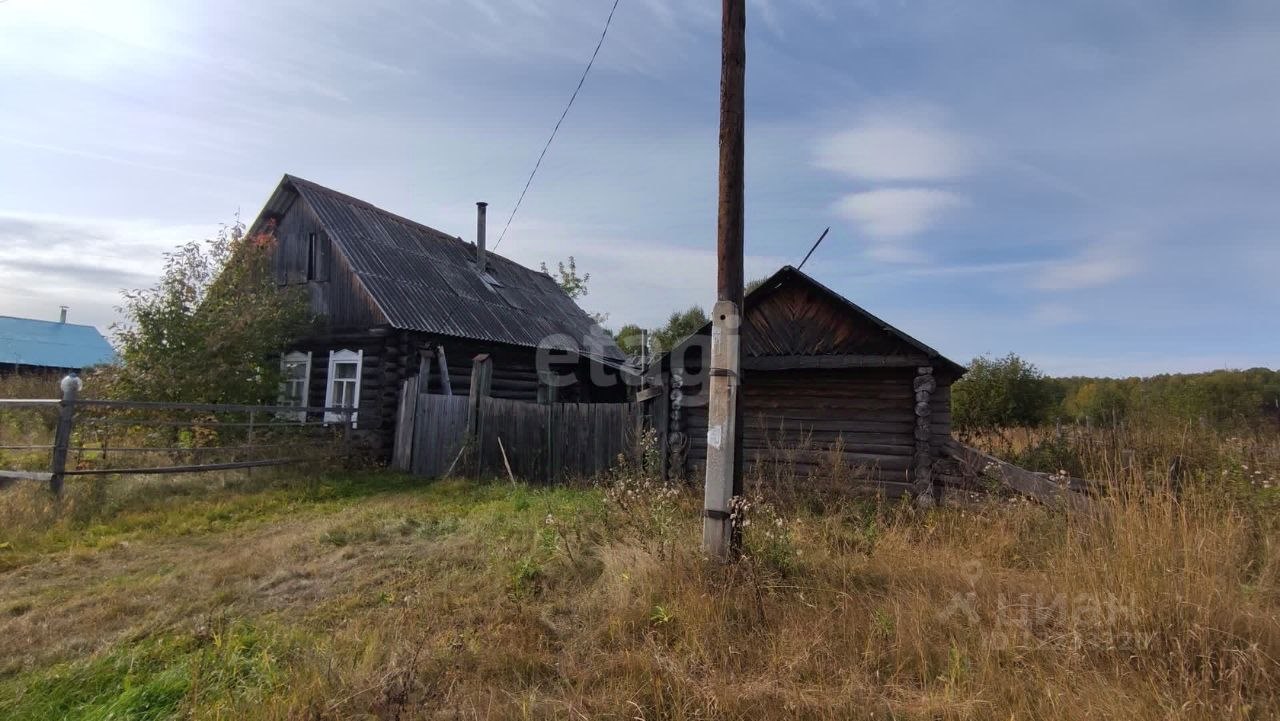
426,280
51,344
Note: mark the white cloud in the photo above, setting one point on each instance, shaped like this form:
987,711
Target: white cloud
897,145
893,144
887,213
895,253
1101,263
84,263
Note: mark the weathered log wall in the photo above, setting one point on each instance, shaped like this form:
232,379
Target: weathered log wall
864,418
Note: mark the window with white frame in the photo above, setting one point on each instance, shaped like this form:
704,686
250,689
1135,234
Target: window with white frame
295,384
344,383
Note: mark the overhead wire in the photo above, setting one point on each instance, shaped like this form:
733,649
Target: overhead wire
556,129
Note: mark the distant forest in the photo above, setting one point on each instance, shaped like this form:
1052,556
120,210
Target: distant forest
1009,392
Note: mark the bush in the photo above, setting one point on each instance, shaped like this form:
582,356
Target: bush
1001,393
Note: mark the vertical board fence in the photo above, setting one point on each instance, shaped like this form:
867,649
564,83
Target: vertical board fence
532,441
441,426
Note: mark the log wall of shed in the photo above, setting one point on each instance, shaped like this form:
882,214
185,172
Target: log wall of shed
800,416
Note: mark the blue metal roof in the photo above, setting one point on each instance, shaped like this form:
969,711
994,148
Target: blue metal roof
52,344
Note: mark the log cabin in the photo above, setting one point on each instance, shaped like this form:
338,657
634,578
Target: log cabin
824,382
397,299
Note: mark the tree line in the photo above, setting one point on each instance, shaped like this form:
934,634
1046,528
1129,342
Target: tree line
1011,392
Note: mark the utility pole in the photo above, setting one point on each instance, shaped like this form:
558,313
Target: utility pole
724,453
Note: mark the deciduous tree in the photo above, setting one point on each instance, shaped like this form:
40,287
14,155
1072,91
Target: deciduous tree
212,329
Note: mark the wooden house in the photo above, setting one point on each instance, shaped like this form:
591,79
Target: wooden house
822,381
398,299
31,346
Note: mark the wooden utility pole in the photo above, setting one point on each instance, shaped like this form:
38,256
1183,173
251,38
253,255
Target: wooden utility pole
724,456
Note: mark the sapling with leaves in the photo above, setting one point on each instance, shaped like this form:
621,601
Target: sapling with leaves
212,330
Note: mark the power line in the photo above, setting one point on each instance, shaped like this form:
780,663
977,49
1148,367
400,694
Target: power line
555,130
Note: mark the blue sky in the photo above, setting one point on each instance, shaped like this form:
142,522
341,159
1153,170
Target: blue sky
1094,185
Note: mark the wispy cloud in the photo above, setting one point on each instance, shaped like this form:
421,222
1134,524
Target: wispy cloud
889,216
905,143
898,145
1101,263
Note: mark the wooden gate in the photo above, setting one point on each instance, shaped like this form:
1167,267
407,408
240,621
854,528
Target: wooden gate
440,431
537,442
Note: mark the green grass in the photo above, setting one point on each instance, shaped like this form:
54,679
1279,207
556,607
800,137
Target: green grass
168,508
151,679
206,660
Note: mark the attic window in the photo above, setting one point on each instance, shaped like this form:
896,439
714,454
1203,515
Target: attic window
313,257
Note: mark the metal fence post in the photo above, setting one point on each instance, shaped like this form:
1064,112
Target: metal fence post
249,443
70,386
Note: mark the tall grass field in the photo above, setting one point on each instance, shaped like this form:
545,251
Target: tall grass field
372,595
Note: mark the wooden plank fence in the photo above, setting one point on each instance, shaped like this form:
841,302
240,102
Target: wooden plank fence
587,438
537,442
438,431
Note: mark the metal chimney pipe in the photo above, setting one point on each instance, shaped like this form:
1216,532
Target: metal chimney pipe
482,262
63,317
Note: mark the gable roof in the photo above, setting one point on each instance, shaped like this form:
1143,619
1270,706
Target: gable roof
26,341
422,279
817,336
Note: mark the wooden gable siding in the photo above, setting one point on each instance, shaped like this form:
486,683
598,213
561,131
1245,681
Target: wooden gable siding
797,320
336,294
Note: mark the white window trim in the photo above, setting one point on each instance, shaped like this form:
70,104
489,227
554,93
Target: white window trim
336,357
297,357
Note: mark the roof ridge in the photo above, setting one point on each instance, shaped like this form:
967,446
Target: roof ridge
50,322
403,219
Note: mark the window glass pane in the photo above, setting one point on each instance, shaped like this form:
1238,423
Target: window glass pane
344,393
344,370
293,393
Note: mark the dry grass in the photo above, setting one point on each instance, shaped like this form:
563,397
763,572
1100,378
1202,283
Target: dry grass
380,597
30,385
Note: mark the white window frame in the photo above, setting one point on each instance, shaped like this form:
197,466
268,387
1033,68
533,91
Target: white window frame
336,357
305,359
